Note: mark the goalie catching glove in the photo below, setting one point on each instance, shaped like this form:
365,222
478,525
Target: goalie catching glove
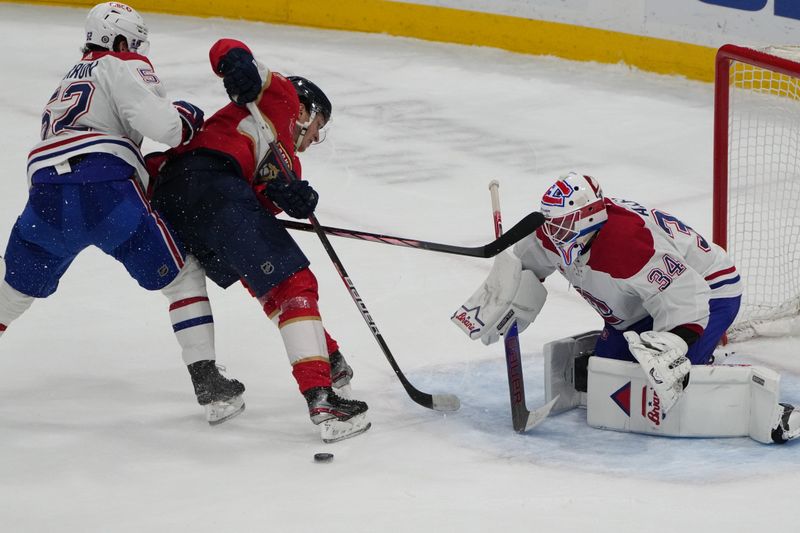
662,355
508,294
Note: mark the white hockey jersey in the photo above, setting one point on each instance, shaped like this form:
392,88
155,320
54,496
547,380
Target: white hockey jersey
106,103
642,262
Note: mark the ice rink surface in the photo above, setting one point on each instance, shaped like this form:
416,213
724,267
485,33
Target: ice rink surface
99,429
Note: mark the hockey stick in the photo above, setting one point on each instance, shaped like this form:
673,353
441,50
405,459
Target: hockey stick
438,402
521,229
521,418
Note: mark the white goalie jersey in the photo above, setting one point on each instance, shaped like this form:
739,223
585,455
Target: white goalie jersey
642,262
106,103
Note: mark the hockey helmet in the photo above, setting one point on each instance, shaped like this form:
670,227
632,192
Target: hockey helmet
315,103
574,211
105,22
312,97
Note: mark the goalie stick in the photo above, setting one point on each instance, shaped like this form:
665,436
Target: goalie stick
521,418
438,402
521,229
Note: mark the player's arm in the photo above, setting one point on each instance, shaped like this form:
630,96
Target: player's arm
141,102
533,253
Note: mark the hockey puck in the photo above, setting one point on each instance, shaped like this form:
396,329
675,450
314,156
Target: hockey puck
323,457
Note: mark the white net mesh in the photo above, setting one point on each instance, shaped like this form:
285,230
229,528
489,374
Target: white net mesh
764,195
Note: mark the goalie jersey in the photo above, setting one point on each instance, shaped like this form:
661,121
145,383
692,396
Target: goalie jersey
105,104
642,262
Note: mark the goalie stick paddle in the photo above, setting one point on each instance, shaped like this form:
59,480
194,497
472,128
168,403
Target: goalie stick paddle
520,230
438,402
521,418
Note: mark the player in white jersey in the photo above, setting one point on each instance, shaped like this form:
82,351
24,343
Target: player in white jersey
666,294
87,188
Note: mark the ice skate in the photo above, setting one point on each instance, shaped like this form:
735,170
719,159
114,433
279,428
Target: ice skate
341,374
788,426
220,397
324,404
339,418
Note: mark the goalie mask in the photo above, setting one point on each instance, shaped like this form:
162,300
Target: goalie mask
315,102
574,211
106,22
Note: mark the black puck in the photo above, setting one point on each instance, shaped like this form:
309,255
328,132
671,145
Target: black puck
323,457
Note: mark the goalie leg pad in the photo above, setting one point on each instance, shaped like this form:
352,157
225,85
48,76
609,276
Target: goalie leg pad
561,378
720,401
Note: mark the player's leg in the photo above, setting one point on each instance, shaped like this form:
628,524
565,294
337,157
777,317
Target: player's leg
153,257
12,302
37,254
243,235
613,345
304,337
341,371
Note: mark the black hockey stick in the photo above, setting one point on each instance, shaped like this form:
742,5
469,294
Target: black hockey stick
438,402
521,229
521,418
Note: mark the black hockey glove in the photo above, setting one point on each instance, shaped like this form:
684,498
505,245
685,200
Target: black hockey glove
295,197
240,76
191,117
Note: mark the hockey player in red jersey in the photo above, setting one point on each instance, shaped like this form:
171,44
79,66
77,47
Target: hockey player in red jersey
88,178
221,192
666,295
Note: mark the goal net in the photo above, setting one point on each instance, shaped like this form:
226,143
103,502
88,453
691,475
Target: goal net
757,183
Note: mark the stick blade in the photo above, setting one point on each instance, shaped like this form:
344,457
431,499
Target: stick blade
537,416
445,402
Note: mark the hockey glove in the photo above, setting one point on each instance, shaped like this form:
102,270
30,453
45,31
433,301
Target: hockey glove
240,76
508,294
295,197
192,118
662,355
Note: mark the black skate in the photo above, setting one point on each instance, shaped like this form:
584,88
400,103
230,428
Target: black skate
221,397
339,418
341,372
788,427
324,404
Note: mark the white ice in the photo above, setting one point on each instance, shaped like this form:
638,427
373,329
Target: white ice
99,429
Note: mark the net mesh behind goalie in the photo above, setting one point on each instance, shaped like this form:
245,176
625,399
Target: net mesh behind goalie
757,183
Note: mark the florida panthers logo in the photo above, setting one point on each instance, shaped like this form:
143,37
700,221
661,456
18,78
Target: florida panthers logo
557,194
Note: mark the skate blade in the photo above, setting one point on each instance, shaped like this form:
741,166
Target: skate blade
336,430
219,412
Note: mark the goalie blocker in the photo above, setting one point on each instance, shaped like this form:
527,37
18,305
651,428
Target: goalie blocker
720,401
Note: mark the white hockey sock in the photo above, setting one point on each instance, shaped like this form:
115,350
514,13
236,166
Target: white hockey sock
12,304
190,313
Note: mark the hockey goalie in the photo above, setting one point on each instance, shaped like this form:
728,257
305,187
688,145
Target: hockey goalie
666,295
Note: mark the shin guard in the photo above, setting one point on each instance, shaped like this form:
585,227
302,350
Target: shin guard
301,328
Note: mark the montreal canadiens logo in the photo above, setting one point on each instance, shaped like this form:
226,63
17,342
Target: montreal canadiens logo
557,194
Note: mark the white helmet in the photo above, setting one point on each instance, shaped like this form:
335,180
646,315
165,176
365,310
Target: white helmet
106,21
574,211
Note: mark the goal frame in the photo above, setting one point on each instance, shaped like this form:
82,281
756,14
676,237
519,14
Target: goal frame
784,323
725,55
